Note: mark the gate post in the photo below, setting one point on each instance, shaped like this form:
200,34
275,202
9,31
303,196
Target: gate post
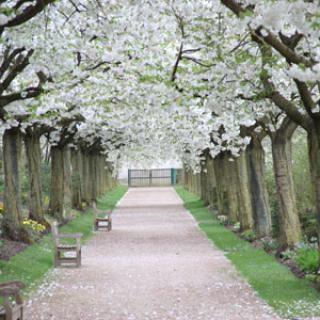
173,176
129,177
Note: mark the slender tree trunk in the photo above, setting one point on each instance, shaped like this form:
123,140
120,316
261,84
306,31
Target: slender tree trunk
92,188
56,204
76,162
289,224
99,174
232,188
107,177
12,220
86,196
314,159
260,198
204,180
67,180
212,197
244,194
222,199
33,152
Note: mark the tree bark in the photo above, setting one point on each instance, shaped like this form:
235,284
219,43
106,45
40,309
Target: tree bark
56,204
86,195
204,180
92,182
76,162
244,194
289,224
12,225
67,179
260,197
222,200
314,159
212,197
33,152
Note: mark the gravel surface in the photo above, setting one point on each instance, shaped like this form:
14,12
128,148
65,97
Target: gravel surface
154,264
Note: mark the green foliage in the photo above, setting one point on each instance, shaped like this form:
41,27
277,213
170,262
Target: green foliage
288,295
308,259
34,229
249,235
288,254
32,264
270,245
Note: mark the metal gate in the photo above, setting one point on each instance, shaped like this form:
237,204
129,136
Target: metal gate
152,177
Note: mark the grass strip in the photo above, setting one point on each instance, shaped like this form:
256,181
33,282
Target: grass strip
288,295
31,265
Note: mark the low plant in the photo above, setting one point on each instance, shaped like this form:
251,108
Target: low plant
222,219
308,258
269,244
288,254
34,228
236,226
249,235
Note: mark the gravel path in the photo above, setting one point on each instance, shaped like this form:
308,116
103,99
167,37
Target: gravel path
154,264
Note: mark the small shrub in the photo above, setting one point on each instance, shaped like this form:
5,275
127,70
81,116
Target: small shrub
236,226
308,259
249,235
288,254
34,228
223,219
270,244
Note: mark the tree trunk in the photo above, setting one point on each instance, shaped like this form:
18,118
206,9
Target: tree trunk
260,198
219,170
314,159
289,224
244,194
92,182
212,197
204,180
86,195
76,162
33,152
232,188
67,180
56,204
12,225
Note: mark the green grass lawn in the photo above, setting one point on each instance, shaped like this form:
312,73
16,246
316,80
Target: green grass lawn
275,283
32,264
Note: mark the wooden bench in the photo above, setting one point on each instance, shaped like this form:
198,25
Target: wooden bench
11,310
102,218
61,249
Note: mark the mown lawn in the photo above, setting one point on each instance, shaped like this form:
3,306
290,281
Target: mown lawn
32,264
288,295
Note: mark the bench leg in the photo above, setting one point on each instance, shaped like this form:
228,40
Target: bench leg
110,224
56,258
78,258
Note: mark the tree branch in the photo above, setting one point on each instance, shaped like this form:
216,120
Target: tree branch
175,67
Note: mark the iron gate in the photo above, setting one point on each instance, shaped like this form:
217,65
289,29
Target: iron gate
151,177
